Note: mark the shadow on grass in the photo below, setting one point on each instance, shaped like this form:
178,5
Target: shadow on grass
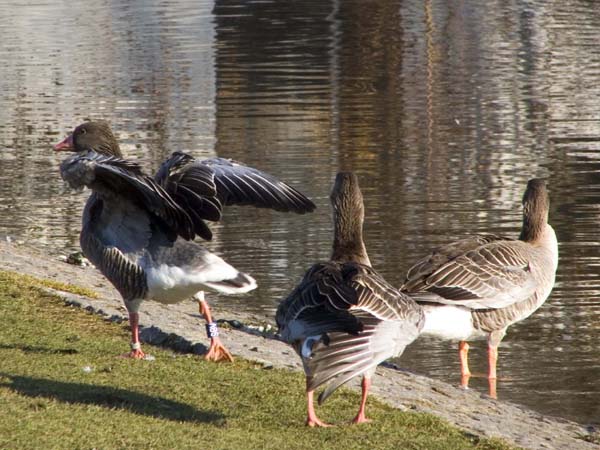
39,349
110,397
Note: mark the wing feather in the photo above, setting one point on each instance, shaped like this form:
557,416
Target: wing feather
243,185
109,175
485,272
204,187
352,319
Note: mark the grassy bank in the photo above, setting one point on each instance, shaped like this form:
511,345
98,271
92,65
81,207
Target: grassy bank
61,386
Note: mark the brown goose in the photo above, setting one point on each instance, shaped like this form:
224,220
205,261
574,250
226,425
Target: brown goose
477,287
138,230
343,319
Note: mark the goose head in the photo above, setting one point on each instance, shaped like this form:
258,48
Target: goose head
94,135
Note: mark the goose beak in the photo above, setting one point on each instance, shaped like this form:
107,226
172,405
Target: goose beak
65,145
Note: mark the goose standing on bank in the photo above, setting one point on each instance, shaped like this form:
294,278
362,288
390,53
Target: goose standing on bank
477,287
343,319
138,230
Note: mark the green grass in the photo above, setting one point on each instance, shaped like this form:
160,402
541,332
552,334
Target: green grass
48,400
8,277
593,438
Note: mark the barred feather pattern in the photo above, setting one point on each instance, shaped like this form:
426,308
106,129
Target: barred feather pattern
512,277
417,278
496,319
323,289
495,275
489,320
360,318
126,276
341,287
343,356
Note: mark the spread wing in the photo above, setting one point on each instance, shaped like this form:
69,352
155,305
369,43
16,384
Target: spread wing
484,272
321,302
238,184
115,177
349,319
192,186
204,187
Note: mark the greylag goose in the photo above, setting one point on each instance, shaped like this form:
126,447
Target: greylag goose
475,288
343,319
138,230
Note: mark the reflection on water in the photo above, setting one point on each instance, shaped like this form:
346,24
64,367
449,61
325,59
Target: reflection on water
445,110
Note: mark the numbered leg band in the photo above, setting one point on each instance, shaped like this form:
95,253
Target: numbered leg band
136,346
212,330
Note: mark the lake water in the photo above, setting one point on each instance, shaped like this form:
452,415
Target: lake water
443,109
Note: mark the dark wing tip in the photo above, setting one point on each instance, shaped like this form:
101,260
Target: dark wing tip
308,206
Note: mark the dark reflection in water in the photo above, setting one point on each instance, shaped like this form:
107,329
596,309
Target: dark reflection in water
445,110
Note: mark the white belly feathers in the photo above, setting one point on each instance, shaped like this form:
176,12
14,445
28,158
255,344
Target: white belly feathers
172,283
450,322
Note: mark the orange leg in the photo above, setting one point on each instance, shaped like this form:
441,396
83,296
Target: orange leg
465,373
312,420
216,350
492,359
136,348
360,417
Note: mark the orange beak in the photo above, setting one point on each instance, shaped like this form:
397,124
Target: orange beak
65,145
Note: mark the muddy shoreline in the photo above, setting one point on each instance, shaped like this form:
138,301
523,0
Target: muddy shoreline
180,326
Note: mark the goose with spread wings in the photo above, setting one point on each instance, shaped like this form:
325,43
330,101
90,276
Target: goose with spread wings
343,318
139,230
475,288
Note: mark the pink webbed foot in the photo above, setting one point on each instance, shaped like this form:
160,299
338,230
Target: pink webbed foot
217,351
135,354
361,418
314,422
